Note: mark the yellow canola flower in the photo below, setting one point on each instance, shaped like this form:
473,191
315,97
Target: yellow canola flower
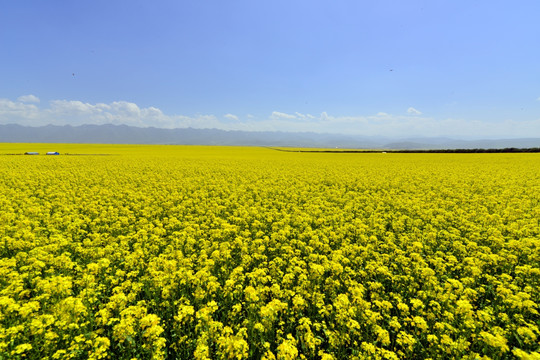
223,252
21,349
287,349
496,341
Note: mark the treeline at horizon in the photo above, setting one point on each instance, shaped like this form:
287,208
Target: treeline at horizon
504,150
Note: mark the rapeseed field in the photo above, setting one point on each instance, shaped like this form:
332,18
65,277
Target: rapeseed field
177,252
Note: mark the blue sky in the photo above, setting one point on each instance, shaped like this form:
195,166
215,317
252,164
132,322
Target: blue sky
467,69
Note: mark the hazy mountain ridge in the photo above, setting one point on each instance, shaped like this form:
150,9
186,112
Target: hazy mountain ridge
124,134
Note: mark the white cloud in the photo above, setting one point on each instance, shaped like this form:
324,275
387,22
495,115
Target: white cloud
413,111
74,112
28,99
306,117
325,117
280,115
118,112
18,111
231,117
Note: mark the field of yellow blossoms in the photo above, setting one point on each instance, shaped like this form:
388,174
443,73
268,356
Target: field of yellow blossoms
178,252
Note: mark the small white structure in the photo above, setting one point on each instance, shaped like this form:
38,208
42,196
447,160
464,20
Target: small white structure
53,153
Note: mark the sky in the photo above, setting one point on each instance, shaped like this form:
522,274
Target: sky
450,68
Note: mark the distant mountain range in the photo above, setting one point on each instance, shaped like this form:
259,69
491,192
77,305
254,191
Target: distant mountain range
123,134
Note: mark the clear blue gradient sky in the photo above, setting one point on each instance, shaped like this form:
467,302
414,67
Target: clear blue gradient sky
468,69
